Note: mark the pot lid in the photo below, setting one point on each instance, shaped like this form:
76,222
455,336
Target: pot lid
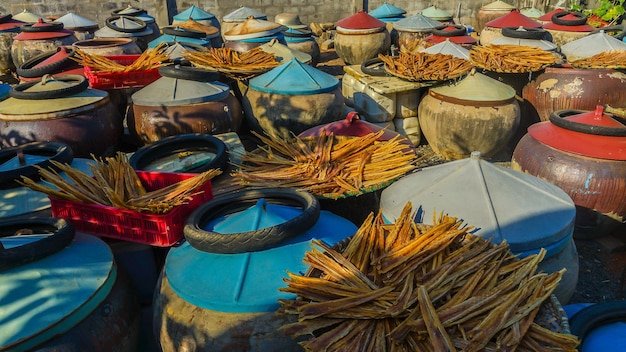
391,19
289,20
129,11
242,14
28,17
146,18
130,27
539,43
253,28
195,13
513,19
360,20
197,26
458,39
42,30
497,6
248,282
351,126
10,24
387,10
416,23
294,78
532,12
18,109
62,54
506,205
475,88
54,293
591,45
569,28
284,53
583,142
436,13
4,91
168,38
179,49
71,20
169,91
297,33
447,47
547,17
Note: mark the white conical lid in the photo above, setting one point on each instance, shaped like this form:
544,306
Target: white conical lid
448,48
591,45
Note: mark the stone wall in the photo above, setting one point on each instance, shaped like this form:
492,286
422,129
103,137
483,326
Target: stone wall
309,10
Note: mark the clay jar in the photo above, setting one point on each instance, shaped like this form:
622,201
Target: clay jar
108,46
39,38
9,28
361,37
490,12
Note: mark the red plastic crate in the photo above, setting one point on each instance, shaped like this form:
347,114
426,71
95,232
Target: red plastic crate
115,80
160,230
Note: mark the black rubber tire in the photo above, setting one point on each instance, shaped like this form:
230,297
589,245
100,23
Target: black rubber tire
558,118
183,32
28,69
6,18
19,91
529,33
182,143
189,73
109,23
620,31
557,18
56,151
61,234
458,30
596,315
49,27
374,67
229,203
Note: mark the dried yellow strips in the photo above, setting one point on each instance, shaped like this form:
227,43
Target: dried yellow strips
149,59
605,59
509,58
227,58
425,67
403,287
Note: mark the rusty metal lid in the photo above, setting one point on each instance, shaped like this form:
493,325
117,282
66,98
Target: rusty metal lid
294,78
475,89
9,24
497,6
588,133
387,10
73,21
435,13
242,14
591,45
513,19
42,30
360,21
417,23
253,28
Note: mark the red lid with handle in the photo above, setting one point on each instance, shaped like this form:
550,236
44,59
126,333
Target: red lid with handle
513,19
589,133
360,20
42,30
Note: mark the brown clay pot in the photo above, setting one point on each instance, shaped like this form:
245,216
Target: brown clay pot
355,47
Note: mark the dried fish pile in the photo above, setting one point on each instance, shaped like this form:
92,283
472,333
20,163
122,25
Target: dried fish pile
232,62
405,287
605,59
425,67
328,166
509,58
116,184
150,59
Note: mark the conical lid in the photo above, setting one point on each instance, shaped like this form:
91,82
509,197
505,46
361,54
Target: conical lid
583,143
448,48
242,14
497,6
416,23
130,28
195,13
532,12
567,28
197,26
284,53
170,91
73,21
294,78
249,281
168,38
436,13
4,91
547,17
591,45
178,49
9,24
475,88
513,19
42,30
387,10
351,126
360,20
503,204
253,28
27,16
129,11
458,39
539,43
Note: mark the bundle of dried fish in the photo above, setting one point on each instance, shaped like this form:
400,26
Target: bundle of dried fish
510,58
405,287
115,183
326,165
613,59
231,62
421,66
150,59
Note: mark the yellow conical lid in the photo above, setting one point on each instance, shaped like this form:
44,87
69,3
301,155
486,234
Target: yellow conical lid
475,87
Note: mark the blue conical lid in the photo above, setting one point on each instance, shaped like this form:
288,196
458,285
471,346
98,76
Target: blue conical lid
4,91
294,78
386,11
168,38
194,12
248,282
417,23
242,14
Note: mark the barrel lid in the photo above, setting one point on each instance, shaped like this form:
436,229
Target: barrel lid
130,25
179,49
27,17
242,14
146,18
448,48
526,211
436,13
289,20
294,78
195,13
458,39
23,200
248,282
10,24
566,28
4,91
168,38
497,6
197,26
513,19
20,109
547,17
253,28
170,91
351,126
591,45
416,23
72,20
61,54
387,10
475,88
532,12
129,11
538,43
360,20
581,143
45,30
49,296
293,33
284,53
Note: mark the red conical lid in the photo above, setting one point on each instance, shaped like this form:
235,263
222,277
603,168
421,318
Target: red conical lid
513,19
43,30
589,133
7,23
457,39
360,20
548,16
565,28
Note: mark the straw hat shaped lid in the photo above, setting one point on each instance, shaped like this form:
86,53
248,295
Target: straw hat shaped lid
532,12
513,19
195,13
417,23
295,78
591,45
253,28
74,21
436,13
242,14
27,16
387,11
497,6
475,88
448,48
290,20
360,20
